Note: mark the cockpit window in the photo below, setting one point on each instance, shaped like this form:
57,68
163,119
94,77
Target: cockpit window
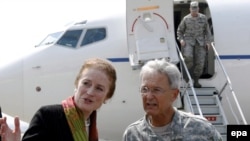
50,39
93,35
70,38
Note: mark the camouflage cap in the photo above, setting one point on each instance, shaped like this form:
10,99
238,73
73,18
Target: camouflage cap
194,5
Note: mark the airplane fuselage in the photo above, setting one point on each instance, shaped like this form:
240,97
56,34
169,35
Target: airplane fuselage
46,75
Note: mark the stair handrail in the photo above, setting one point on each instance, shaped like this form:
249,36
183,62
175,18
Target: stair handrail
222,111
190,81
228,82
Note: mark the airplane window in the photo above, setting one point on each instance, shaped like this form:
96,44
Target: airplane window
70,38
93,35
50,39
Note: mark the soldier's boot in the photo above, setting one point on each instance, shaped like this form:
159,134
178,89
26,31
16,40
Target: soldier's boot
196,83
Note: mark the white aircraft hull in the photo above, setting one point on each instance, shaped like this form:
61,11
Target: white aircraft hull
47,74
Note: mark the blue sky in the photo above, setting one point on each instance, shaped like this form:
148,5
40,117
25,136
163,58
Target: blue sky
25,23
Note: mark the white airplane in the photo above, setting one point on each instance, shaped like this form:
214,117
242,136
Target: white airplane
146,30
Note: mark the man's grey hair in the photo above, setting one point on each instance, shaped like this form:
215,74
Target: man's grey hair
164,67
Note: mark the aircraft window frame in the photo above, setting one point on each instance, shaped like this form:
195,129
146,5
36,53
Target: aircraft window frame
50,39
93,35
70,38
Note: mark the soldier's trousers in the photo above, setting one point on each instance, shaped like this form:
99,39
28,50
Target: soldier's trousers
194,57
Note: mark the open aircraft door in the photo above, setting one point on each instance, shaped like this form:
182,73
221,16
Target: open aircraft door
150,31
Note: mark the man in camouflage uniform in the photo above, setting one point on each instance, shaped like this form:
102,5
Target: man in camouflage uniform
160,84
195,37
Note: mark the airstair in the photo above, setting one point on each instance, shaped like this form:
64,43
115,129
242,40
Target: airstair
216,101
210,105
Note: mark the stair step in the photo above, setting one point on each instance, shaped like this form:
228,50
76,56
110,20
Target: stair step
203,91
208,100
221,128
215,119
224,137
207,109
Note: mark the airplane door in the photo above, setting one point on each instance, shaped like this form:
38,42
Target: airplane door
181,10
150,31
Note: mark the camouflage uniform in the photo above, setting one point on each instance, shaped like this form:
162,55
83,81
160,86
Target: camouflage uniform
184,127
196,34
